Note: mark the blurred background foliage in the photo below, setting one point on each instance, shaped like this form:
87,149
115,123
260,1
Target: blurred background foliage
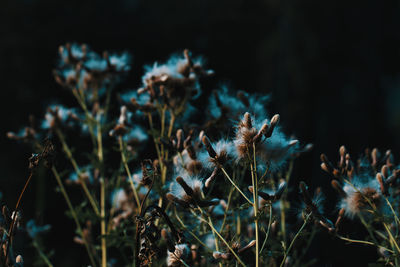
331,67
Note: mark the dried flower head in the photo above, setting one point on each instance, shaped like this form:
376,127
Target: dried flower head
181,253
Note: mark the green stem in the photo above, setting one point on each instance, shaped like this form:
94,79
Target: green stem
41,253
128,172
227,208
294,239
255,200
223,240
237,188
103,224
363,242
73,214
68,153
269,227
190,232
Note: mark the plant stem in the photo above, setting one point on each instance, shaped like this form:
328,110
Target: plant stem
233,183
14,217
128,172
103,224
41,254
363,242
392,239
254,180
68,153
73,214
227,208
294,239
190,232
269,227
223,240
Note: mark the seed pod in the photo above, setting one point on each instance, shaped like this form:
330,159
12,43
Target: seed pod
247,121
274,121
210,149
185,186
260,133
211,178
340,217
381,181
336,185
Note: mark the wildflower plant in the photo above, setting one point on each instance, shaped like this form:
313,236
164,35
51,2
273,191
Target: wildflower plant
165,181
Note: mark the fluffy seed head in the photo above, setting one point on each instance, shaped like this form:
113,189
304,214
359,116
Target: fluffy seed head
181,252
358,200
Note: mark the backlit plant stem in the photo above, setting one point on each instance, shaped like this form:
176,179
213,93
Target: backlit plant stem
253,169
73,214
128,172
103,224
363,242
294,239
68,153
41,253
233,183
223,240
269,228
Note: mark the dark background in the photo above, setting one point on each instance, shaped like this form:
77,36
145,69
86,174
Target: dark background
331,67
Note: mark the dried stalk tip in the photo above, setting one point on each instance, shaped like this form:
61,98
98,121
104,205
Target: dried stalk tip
336,185
381,182
340,217
210,149
188,190
342,151
274,121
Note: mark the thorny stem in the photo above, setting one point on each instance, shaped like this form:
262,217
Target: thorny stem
294,239
254,180
233,183
68,153
128,172
73,214
41,253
